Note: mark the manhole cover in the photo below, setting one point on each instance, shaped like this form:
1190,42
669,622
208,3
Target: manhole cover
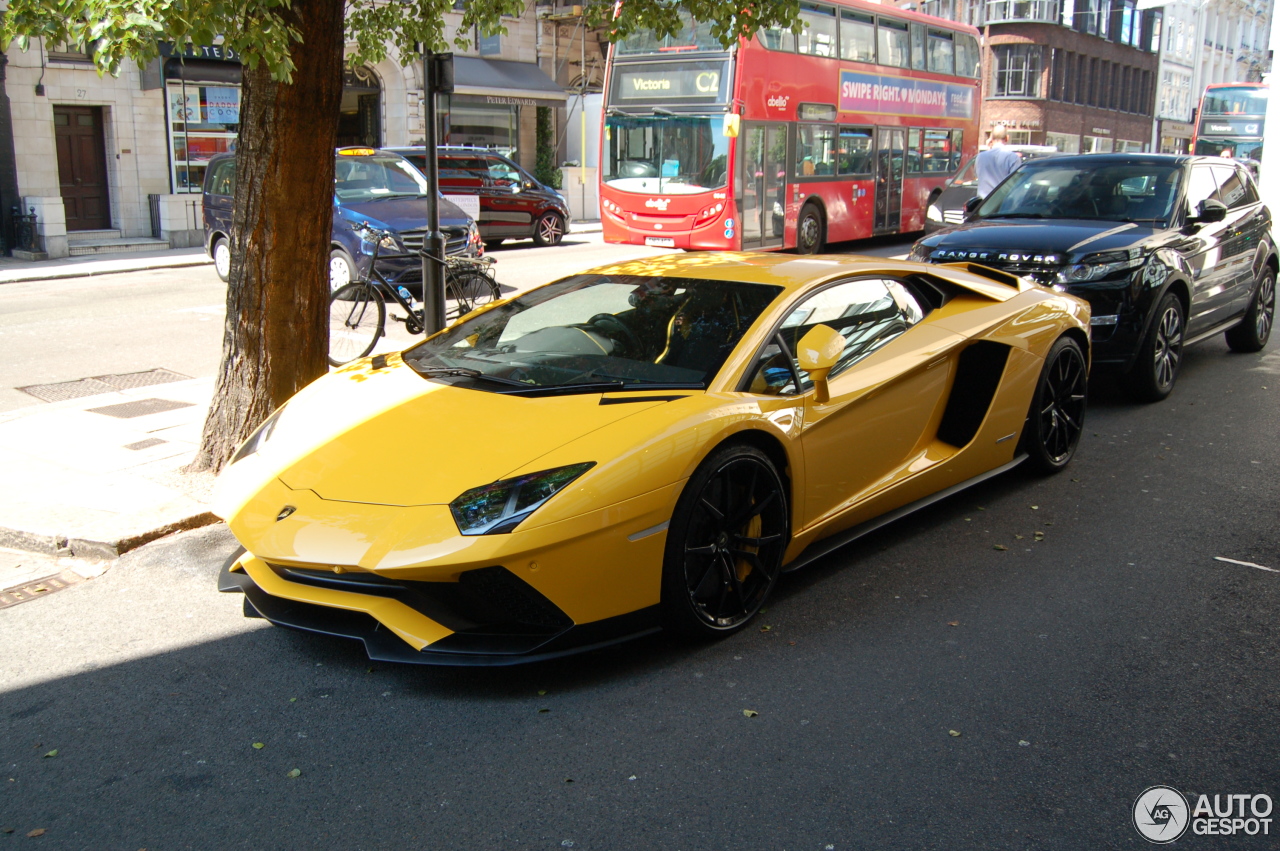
100,384
39,588
140,408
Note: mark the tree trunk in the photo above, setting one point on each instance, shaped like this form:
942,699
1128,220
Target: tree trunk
277,339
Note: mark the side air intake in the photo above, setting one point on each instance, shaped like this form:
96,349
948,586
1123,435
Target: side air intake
978,374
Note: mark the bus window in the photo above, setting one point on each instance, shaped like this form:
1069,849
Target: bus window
914,162
857,36
917,47
968,58
936,152
819,35
815,150
892,38
941,52
855,150
777,39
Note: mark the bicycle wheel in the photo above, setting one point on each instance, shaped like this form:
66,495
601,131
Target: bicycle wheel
467,289
356,319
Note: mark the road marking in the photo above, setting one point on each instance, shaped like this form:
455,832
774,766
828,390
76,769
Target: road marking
1246,564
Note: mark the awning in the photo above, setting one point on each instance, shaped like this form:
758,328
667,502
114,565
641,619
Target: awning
502,78
202,71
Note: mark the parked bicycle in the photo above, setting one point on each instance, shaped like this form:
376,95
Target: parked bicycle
358,311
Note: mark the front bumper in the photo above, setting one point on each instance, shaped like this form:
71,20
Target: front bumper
492,619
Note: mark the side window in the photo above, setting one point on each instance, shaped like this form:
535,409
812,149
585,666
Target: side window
868,313
1232,187
815,150
917,47
819,34
892,39
855,150
778,39
857,36
1200,187
937,150
968,175
914,163
775,373
942,54
222,179
503,174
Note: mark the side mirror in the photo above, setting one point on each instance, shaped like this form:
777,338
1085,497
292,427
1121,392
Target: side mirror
1210,211
972,204
817,353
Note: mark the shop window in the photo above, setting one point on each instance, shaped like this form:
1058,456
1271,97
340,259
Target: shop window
203,121
1016,70
1021,11
1019,137
819,35
857,37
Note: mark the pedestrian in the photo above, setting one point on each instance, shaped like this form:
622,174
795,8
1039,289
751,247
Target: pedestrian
995,163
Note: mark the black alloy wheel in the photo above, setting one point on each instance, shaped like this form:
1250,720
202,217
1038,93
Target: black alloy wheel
549,229
1160,356
1056,419
725,543
809,235
1254,330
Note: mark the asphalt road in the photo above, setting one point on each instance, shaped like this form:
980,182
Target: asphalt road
1078,670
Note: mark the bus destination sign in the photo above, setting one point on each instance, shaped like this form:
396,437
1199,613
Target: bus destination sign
1230,127
661,82
872,93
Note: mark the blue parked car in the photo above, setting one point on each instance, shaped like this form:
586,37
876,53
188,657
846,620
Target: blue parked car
372,186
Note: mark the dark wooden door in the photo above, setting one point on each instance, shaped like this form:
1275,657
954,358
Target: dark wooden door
82,166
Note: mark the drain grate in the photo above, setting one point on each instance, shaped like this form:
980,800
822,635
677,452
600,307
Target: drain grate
39,588
145,444
140,408
100,384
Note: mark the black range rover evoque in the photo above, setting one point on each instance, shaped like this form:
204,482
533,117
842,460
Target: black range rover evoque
1168,250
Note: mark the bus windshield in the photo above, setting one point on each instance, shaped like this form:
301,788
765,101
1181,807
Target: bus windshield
693,36
671,155
1245,100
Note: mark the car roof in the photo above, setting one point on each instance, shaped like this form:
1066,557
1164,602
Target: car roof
793,272
1135,158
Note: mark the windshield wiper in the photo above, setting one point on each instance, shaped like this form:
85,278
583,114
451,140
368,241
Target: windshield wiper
603,387
1015,216
463,372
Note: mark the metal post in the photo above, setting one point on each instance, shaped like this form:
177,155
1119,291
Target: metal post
433,246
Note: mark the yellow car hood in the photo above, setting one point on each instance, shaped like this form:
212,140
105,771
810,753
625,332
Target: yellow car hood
392,437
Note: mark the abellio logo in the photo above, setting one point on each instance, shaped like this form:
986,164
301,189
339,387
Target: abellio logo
1160,814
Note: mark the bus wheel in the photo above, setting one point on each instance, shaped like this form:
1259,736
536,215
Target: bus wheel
809,235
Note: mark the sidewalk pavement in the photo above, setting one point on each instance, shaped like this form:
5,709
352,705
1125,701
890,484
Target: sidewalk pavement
15,271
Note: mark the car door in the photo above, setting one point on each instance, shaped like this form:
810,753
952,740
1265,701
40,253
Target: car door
1202,247
462,180
1244,227
219,188
510,208
885,391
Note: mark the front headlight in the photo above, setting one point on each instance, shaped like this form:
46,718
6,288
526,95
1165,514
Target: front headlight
920,253
500,507
934,213
387,243
1097,268
259,438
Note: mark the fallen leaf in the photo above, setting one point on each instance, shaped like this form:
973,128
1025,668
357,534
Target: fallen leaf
750,713
953,732
792,643
6,830
368,670
39,831
980,508
953,623
763,611
541,692
765,628
1035,508
53,752
1039,536
294,773
1023,743
568,780
1075,480
1019,537
293,700
541,711
1000,547
257,746
39,588
632,777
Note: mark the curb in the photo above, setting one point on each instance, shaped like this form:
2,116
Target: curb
60,545
24,276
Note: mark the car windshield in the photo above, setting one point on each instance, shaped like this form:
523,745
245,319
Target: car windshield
591,333
367,178
1124,192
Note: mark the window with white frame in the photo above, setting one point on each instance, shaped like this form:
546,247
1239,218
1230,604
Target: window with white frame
1016,68
1021,10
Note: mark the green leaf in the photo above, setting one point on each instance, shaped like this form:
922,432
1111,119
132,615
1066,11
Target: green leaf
257,746
51,753
294,773
750,713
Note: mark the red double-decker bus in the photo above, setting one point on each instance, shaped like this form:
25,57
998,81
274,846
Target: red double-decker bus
1230,120
786,141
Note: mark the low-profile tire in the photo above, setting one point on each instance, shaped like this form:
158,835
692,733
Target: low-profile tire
548,229
1056,419
342,269
1155,371
356,320
1252,333
810,231
725,543
222,257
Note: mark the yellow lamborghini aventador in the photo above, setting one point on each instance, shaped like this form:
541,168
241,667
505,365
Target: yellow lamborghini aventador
642,446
